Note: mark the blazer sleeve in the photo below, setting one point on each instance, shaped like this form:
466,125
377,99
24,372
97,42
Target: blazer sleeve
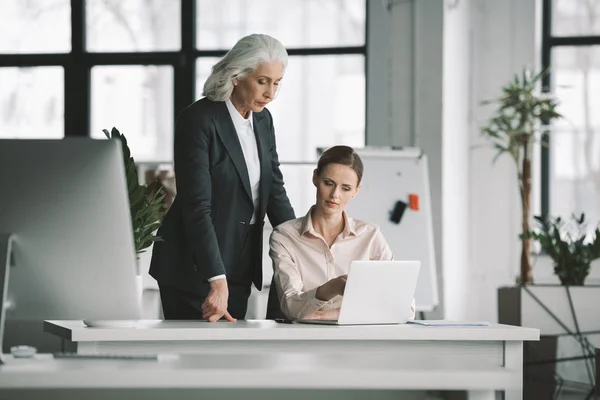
279,209
191,159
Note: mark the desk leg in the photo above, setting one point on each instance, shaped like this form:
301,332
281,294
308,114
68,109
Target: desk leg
89,348
513,360
481,395
66,346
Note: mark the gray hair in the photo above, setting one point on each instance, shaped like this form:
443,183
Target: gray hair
245,56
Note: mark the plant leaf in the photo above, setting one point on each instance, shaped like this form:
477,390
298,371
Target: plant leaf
145,201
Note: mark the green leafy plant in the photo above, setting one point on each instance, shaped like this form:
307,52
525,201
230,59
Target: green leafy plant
513,128
571,250
145,201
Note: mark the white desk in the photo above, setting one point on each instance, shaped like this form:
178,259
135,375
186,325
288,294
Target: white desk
459,354
269,375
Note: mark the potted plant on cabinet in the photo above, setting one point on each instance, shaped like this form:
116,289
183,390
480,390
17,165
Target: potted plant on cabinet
145,202
571,306
513,129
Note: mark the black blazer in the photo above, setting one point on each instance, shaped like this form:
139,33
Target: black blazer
205,228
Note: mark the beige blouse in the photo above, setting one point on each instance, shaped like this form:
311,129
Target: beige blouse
303,261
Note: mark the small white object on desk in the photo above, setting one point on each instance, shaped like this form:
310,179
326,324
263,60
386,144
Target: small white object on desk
23,351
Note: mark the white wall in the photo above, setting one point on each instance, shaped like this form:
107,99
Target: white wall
475,46
504,41
456,125
404,85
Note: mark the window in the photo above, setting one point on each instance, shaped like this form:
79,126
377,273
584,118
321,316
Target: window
137,100
571,166
133,25
88,65
296,23
575,17
35,26
31,103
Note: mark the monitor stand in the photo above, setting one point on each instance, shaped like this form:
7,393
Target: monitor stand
5,262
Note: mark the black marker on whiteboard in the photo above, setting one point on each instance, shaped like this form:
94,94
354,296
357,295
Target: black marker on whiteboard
397,212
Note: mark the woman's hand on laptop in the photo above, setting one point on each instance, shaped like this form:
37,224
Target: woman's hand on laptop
326,314
332,288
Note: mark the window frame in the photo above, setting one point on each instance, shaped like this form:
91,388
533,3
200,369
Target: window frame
549,42
78,64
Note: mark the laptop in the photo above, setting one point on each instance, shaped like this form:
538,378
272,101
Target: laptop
377,292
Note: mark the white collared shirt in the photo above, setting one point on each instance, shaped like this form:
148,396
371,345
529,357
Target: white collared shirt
303,261
245,132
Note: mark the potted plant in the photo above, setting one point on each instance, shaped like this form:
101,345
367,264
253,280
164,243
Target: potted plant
515,126
571,305
513,129
145,201
521,111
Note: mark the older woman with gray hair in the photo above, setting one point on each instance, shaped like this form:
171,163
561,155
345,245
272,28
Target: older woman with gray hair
228,179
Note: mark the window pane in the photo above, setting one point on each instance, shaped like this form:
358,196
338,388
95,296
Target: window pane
575,150
321,102
32,103
138,101
133,25
203,68
575,18
296,23
35,26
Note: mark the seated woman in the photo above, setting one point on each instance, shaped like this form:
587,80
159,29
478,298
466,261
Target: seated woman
312,254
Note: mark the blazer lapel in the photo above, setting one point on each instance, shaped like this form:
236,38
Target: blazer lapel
261,132
229,137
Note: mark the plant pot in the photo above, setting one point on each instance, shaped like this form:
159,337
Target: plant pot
572,274
139,287
534,306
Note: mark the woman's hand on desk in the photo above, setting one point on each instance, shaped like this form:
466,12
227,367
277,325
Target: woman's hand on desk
325,314
215,305
332,288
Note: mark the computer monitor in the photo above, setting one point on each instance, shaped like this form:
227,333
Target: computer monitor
66,204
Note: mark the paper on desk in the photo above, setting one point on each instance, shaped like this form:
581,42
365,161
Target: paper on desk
441,322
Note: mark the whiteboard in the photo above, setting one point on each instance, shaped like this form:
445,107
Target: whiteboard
392,175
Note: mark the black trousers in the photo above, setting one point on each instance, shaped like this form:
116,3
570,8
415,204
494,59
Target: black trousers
182,305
